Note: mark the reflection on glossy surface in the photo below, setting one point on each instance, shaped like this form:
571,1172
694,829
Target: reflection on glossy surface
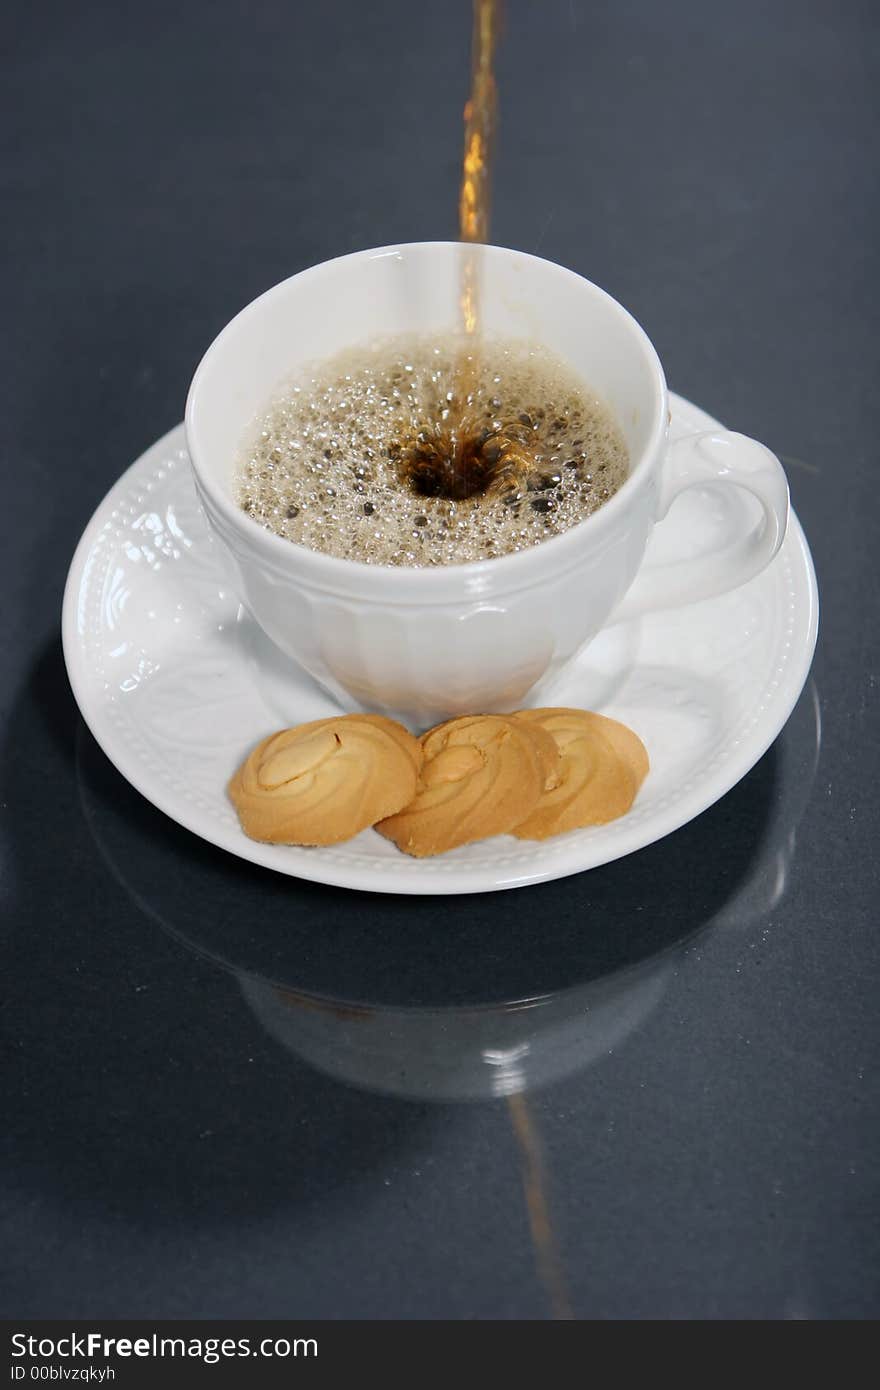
544,1242
508,1011
461,1054
465,1049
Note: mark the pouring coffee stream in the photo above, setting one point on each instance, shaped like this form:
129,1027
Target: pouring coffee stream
473,205
468,458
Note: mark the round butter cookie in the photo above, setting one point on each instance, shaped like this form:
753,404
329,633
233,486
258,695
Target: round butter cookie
323,782
602,764
481,775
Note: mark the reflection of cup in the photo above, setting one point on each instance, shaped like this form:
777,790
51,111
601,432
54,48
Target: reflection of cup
461,1054
424,644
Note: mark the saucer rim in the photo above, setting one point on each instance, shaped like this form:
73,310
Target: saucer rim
465,879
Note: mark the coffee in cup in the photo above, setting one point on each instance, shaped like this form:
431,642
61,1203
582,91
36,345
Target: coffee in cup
372,455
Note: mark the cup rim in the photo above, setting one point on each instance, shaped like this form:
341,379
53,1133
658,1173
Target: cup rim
473,575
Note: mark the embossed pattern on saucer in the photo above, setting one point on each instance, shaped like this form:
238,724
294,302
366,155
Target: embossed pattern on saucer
176,683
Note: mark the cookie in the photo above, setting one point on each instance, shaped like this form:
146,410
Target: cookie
481,775
601,766
321,783
548,752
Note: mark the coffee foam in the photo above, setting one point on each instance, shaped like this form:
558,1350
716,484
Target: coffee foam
322,465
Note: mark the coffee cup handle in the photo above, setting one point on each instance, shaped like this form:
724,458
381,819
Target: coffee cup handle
715,458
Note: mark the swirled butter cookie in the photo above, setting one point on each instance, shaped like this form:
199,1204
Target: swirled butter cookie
321,783
481,775
602,764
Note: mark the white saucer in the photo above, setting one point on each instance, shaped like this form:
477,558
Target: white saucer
176,682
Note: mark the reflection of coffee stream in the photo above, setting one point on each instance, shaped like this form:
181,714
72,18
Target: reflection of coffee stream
546,1248
534,1179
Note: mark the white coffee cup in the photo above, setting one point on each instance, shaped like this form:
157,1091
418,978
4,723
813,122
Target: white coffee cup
423,644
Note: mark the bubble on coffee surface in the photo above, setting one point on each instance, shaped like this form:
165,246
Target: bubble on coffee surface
349,457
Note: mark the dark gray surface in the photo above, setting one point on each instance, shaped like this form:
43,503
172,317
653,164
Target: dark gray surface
713,167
